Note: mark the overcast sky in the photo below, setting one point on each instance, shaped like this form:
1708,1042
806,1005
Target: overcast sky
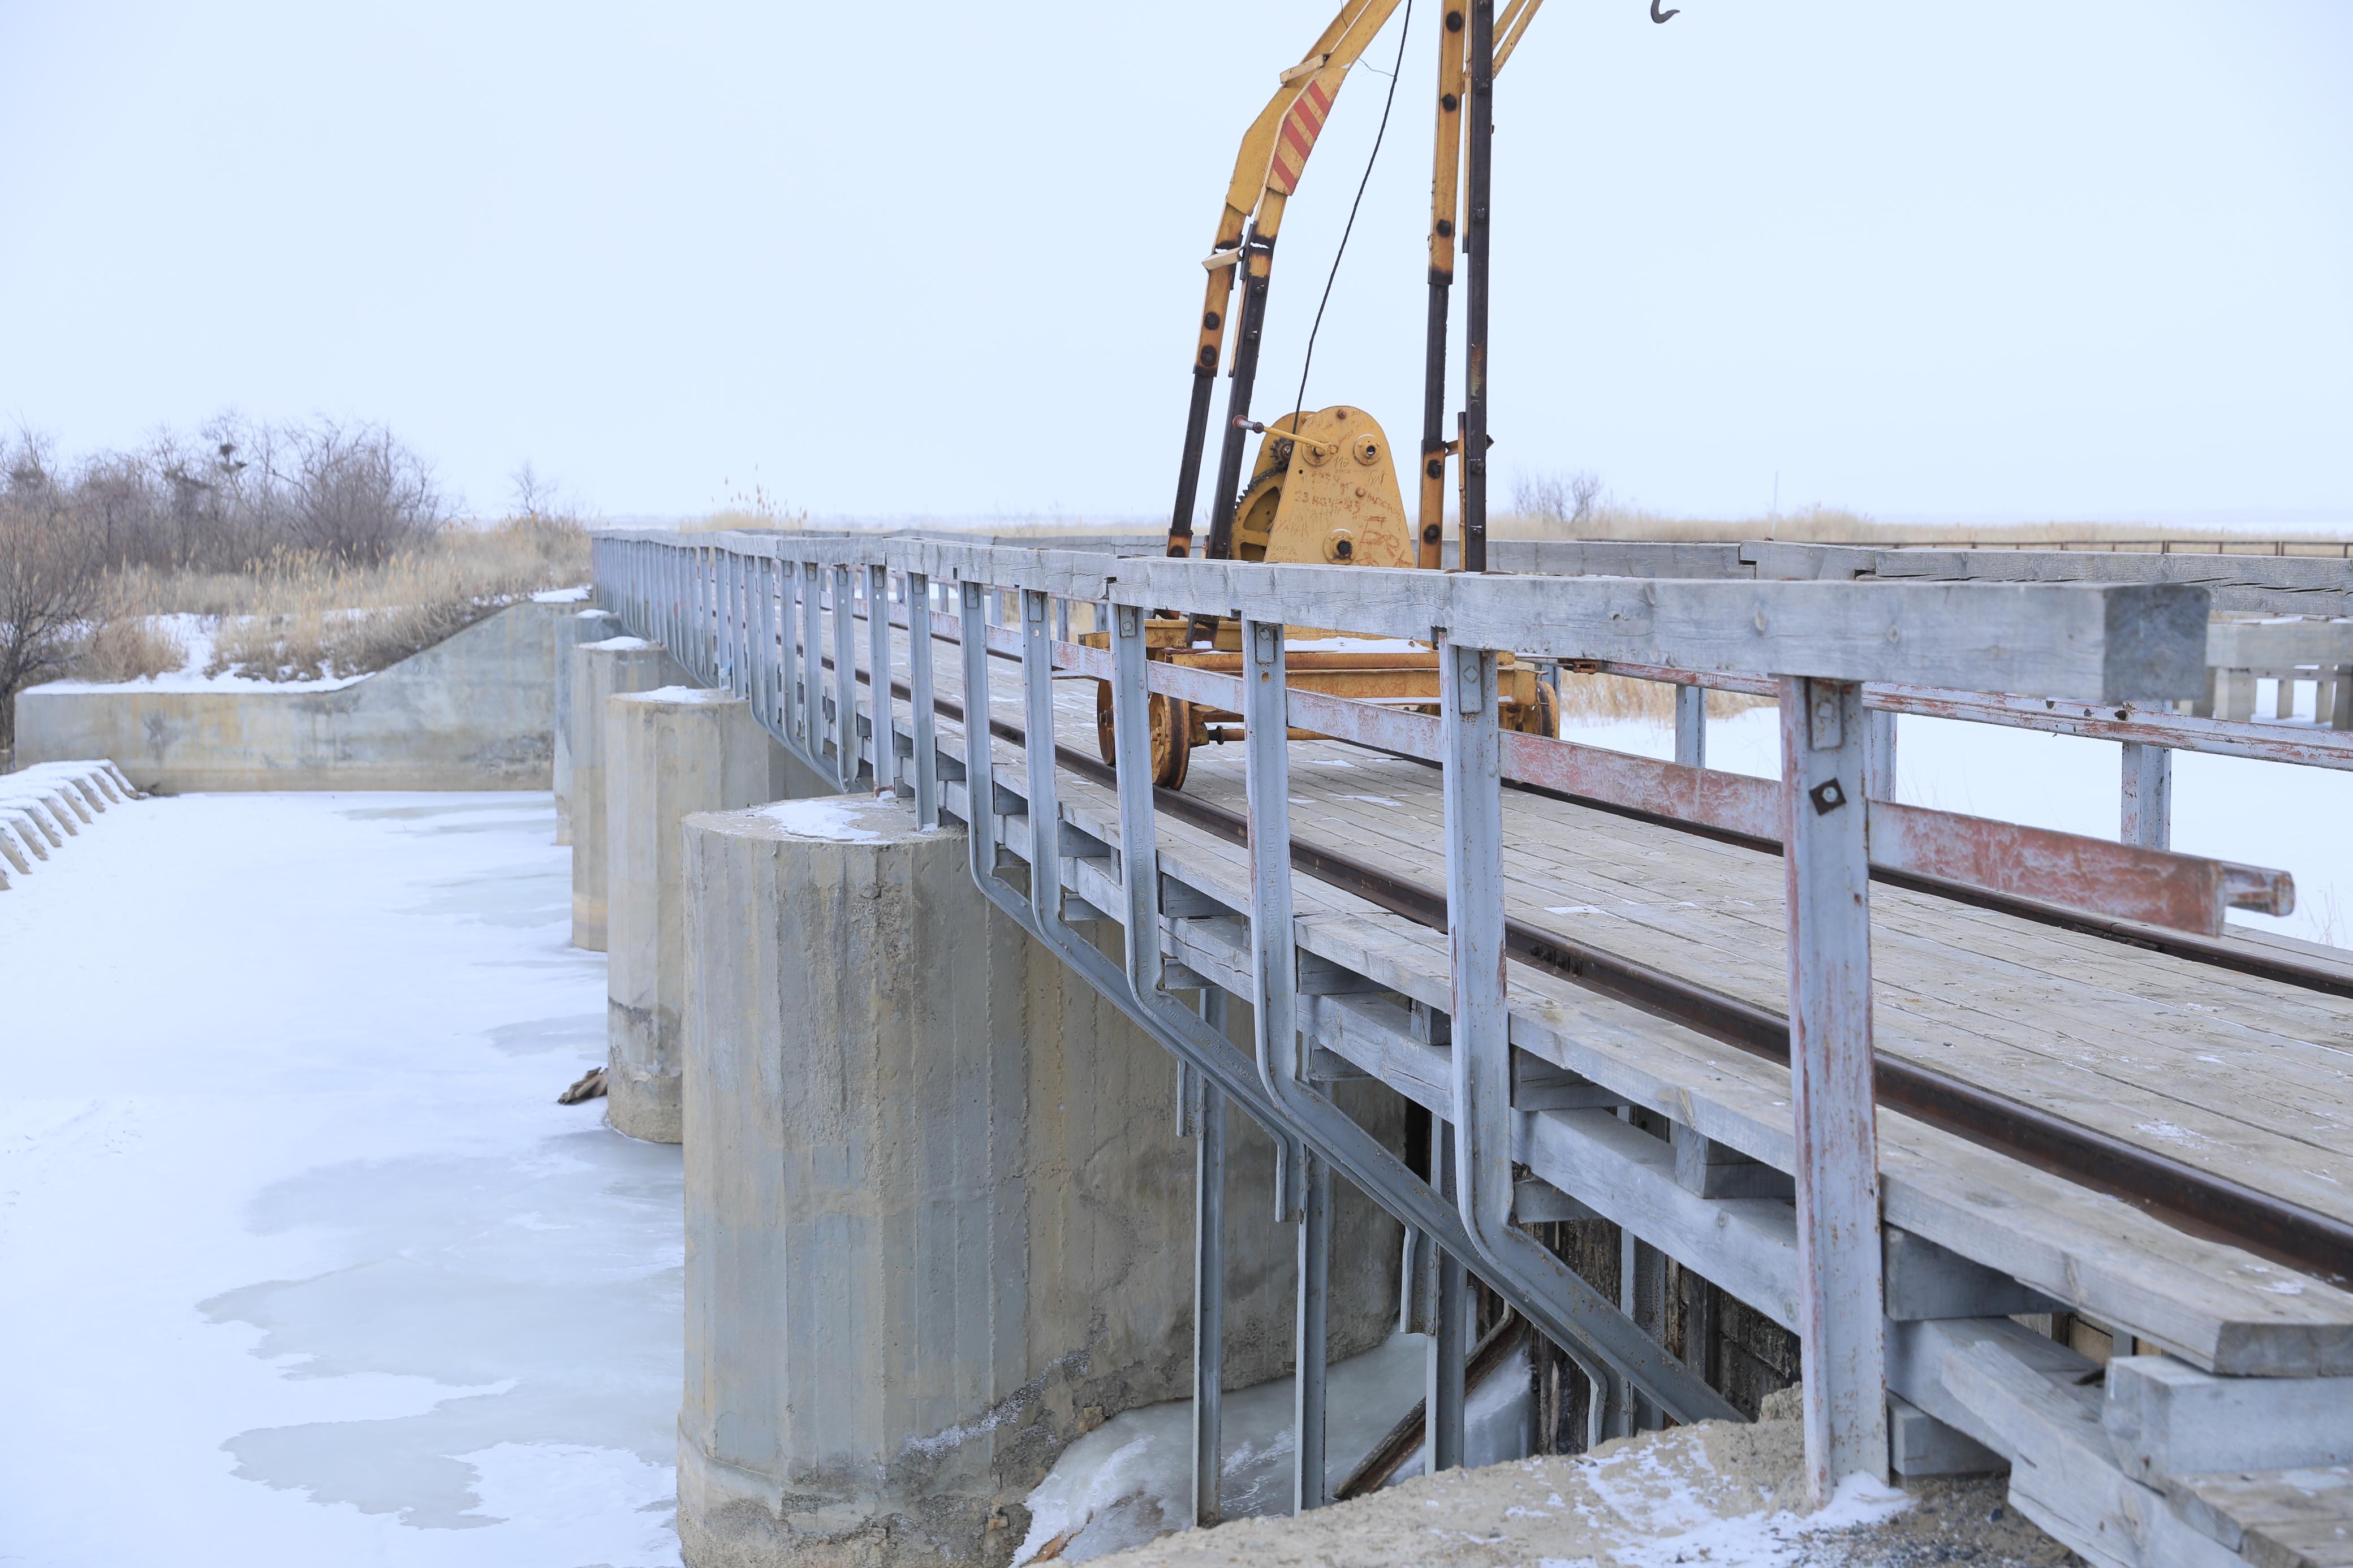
1997,258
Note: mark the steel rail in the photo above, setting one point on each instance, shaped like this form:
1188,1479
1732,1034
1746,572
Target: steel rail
2184,1195
2279,967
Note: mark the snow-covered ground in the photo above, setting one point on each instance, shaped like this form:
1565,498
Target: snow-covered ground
196,634
299,1261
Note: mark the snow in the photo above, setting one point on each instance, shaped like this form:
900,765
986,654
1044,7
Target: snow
317,1270
564,595
2232,808
618,645
196,634
836,819
683,694
1131,1479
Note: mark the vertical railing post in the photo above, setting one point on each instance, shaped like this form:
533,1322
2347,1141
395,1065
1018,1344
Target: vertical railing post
845,679
1038,750
1201,1104
1209,1281
763,641
979,762
921,718
2144,815
878,660
1827,868
1444,1392
1479,1021
1274,976
1879,754
813,662
1691,726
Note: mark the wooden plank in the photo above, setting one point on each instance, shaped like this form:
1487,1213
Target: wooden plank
2164,1418
2299,1517
2095,643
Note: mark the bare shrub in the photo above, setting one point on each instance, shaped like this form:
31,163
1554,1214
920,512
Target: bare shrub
52,577
1557,501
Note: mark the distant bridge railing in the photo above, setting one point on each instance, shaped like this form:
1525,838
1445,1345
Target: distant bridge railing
773,619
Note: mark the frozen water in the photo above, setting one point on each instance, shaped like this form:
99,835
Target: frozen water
316,1268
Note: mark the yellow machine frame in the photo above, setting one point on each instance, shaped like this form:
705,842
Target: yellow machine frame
1323,485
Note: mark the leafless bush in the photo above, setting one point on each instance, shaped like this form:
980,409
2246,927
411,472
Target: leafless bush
52,577
1561,500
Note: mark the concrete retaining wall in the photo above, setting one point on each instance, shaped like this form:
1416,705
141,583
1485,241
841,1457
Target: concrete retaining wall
477,711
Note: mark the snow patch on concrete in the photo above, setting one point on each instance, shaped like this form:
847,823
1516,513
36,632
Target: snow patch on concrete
831,819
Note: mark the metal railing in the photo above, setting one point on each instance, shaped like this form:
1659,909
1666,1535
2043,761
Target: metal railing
750,613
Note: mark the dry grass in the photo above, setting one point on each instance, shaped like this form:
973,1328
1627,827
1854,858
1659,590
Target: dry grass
300,616
1652,701
124,646
1832,525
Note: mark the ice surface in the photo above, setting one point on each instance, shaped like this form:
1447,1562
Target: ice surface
317,1270
1131,1479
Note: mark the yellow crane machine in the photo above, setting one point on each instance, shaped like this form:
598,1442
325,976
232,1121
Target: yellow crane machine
1323,485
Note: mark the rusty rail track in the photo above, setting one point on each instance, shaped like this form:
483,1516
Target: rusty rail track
2191,1199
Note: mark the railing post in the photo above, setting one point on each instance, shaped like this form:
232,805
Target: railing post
1879,754
919,692
2146,811
1209,1280
1691,726
813,663
1274,976
1827,870
1038,748
1201,1104
1444,1392
845,681
878,660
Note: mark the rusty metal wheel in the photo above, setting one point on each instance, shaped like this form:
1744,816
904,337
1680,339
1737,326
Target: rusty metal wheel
1172,724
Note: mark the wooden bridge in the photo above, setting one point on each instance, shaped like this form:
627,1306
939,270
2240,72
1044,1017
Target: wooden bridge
2043,1164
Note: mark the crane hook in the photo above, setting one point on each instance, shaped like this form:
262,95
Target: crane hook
1659,15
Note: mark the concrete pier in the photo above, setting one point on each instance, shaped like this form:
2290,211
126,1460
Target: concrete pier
584,626
669,754
938,1217
599,670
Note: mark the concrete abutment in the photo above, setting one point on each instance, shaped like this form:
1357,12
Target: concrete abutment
939,1220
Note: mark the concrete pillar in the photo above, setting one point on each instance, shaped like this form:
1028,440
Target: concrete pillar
668,752
938,1220
599,670
586,625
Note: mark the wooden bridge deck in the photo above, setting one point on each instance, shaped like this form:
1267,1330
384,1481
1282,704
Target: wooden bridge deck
2246,1077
